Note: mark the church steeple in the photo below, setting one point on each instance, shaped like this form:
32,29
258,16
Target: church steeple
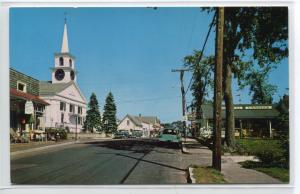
65,44
64,67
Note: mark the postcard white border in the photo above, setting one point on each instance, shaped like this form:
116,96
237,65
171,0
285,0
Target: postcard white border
5,185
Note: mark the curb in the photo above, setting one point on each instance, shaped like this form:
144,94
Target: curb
40,148
191,178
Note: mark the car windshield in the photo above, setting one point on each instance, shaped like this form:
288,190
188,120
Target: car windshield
170,132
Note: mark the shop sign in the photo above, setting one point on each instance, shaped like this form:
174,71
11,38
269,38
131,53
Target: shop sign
29,107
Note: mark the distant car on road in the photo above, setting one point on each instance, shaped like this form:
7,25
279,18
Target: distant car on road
170,135
121,135
137,134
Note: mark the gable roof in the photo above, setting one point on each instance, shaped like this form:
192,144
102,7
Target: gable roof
147,119
50,89
134,120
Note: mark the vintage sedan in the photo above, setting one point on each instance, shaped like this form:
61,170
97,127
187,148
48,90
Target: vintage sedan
171,136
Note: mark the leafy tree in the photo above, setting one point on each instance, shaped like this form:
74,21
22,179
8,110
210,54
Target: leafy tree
253,36
93,117
202,80
109,121
261,90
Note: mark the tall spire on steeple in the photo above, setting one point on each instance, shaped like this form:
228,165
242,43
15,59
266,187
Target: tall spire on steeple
65,44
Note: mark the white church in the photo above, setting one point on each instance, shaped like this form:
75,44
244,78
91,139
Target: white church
68,105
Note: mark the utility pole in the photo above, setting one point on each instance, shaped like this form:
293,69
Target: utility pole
181,71
218,90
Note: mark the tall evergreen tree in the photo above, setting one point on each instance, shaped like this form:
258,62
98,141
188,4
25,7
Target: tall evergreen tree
109,122
93,117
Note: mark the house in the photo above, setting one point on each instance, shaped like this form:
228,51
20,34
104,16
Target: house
147,125
27,108
67,104
256,120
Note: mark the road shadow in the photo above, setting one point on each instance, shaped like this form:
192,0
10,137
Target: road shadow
143,146
134,145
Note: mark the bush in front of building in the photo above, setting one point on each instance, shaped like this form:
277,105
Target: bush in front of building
62,133
52,133
269,151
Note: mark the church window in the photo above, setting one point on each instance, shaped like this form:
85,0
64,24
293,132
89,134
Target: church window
72,108
61,61
62,117
70,62
128,122
79,121
79,110
62,106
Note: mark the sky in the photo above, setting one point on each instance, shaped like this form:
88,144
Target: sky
128,51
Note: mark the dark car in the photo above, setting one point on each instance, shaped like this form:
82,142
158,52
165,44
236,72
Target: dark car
137,134
121,135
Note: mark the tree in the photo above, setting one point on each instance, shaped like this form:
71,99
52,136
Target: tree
109,121
283,126
93,117
262,92
202,81
283,119
253,36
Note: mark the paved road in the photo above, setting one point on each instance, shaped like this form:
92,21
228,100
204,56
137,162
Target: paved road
103,162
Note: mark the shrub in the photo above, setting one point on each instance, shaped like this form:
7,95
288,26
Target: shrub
62,133
270,152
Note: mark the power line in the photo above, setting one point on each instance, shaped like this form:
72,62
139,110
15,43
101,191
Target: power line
201,54
148,99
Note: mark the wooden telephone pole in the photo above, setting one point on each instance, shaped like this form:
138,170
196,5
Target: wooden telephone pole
218,90
182,95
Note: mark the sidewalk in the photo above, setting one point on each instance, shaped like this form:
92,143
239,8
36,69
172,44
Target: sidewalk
232,171
23,148
33,144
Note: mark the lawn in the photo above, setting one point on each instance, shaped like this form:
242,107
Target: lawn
207,175
250,146
272,155
273,171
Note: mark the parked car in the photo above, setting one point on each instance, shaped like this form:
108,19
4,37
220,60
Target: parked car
121,135
170,135
137,134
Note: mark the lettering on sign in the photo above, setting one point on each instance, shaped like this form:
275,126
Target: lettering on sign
29,109
258,107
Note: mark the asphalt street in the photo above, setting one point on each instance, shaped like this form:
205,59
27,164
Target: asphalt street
104,163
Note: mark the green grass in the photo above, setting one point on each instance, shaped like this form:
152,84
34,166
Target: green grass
207,175
272,157
277,172
250,146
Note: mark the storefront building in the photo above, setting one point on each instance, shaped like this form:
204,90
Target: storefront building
251,120
26,107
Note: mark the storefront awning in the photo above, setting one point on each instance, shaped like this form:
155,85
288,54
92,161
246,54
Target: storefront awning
25,96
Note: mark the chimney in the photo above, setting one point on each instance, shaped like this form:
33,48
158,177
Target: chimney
140,115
